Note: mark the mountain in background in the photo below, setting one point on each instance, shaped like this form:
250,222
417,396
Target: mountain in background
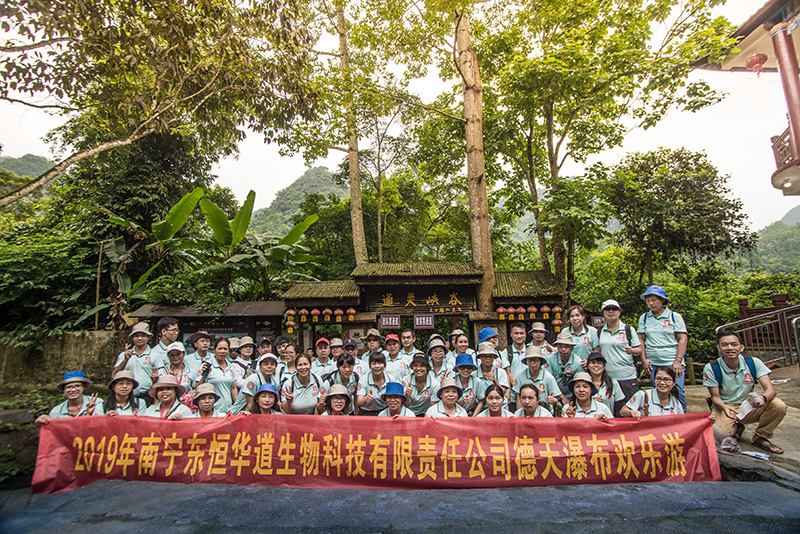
28,165
276,219
792,217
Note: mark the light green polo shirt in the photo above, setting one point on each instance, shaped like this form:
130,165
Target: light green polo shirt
596,408
305,398
421,399
142,366
619,364
609,400
735,386
437,410
154,410
503,413
556,368
404,412
661,345
539,412
584,342
545,383
100,409
514,356
61,411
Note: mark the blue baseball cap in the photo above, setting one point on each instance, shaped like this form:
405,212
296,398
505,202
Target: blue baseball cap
485,334
464,360
268,388
393,388
658,291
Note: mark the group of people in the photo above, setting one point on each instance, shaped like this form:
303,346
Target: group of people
585,373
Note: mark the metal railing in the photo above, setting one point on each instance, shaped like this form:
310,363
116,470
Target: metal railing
771,337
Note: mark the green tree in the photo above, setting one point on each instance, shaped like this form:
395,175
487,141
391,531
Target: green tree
205,68
672,205
563,79
52,265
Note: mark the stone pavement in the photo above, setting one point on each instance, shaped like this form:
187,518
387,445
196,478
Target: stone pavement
786,381
111,506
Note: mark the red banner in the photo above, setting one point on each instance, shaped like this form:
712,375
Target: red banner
375,452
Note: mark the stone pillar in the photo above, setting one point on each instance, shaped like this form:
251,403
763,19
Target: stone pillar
790,76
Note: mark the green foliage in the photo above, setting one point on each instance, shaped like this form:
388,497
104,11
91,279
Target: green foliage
38,401
28,165
45,278
673,206
11,471
206,69
189,288
276,219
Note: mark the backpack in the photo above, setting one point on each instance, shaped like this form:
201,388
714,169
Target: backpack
248,370
718,372
290,379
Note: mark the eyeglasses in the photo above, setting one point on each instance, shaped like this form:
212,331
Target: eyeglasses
610,308
70,387
664,379
174,329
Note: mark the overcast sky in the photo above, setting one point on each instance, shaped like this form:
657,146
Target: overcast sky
734,133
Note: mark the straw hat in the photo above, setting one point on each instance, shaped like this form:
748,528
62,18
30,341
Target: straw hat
166,381
565,338
487,349
533,352
448,382
127,375
140,328
205,389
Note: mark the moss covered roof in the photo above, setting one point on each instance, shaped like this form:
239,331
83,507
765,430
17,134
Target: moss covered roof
440,268
525,284
333,289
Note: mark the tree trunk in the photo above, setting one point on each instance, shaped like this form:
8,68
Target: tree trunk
559,258
570,266
356,210
476,165
45,178
380,227
544,257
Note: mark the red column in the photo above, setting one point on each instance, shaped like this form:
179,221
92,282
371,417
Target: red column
790,76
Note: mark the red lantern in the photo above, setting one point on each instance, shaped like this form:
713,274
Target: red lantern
520,311
557,325
351,312
338,313
327,312
545,312
557,309
315,315
756,63
290,312
502,311
290,326
303,313
532,311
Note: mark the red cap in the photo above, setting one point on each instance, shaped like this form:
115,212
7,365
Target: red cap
392,337
322,340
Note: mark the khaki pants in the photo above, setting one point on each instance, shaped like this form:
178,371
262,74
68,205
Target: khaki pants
768,418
